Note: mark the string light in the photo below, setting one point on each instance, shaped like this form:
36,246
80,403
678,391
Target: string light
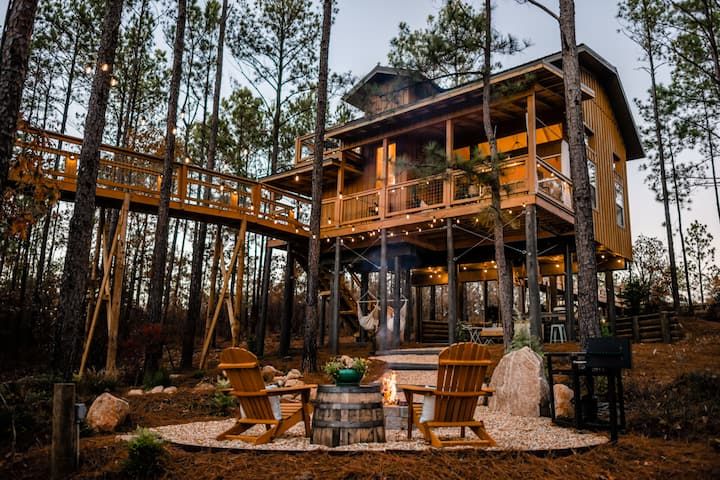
113,82
297,178
88,69
105,67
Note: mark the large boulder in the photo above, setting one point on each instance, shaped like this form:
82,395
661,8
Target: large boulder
563,400
107,412
520,385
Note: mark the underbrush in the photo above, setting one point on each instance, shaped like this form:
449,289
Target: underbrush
687,409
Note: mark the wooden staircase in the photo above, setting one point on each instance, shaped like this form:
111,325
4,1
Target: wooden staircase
434,332
348,305
652,328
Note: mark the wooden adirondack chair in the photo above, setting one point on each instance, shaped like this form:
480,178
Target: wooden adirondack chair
461,372
243,371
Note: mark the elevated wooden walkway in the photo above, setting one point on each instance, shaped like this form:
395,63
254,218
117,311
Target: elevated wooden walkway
197,193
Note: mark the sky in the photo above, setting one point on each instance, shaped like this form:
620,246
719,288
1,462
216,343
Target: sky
361,38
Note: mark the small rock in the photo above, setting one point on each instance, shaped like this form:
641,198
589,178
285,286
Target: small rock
107,412
563,400
170,390
292,382
293,374
135,392
204,387
158,389
269,372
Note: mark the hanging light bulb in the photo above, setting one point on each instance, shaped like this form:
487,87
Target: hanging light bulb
105,67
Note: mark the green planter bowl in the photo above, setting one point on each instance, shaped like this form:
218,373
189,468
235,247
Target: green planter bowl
348,376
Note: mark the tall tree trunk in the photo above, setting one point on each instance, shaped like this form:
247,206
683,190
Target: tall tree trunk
13,68
504,271
682,234
649,49
288,303
587,318
309,358
196,274
73,286
711,150
153,351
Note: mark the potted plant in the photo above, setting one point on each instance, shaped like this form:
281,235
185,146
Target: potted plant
345,370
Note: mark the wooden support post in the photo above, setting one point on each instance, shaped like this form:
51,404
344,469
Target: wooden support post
418,314
409,309
64,450
104,291
321,329
569,295
364,288
610,296
382,292
449,146
665,327
288,302
335,316
533,270
339,191
433,306
384,180
636,328
119,275
452,282
240,273
532,145
396,304
218,307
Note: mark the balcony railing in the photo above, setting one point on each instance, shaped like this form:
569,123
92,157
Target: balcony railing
444,190
552,184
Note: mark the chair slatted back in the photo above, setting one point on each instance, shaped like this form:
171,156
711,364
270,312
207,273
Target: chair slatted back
461,372
243,371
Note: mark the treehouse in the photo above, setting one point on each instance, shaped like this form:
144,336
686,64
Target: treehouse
393,199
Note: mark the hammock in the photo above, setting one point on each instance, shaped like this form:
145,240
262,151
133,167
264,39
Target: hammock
370,321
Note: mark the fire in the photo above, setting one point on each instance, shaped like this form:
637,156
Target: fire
389,388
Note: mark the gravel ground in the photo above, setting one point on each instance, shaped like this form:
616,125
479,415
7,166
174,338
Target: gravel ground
510,433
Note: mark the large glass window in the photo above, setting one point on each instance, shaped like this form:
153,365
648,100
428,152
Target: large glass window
592,174
619,202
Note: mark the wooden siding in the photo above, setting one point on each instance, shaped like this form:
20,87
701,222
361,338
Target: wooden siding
599,117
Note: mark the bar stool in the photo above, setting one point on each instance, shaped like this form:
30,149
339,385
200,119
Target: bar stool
557,333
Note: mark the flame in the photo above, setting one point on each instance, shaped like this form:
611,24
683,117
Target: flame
389,388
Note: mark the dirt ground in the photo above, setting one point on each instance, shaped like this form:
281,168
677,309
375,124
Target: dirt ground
672,399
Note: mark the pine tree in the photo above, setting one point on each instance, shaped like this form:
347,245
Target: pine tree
153,351
309,359
69,324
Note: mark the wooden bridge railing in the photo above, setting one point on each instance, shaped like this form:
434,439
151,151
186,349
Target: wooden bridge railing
194,188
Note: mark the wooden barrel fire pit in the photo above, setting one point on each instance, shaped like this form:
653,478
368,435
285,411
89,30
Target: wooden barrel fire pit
348,414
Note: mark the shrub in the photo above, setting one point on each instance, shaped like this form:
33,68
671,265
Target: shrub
222,403
522,338
153,379
146,455
222,383
94,382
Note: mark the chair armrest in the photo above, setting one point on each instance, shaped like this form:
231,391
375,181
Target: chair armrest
416,389
286,390
489,391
